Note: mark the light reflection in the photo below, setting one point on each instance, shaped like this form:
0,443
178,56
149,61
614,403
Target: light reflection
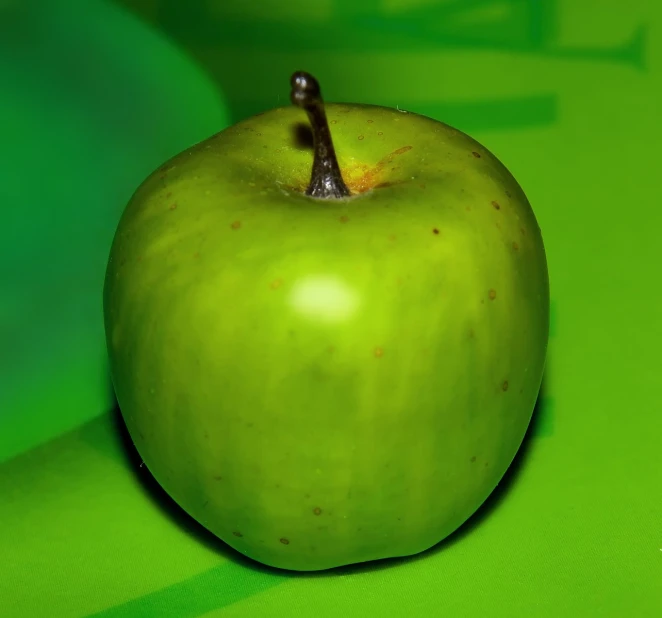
324,298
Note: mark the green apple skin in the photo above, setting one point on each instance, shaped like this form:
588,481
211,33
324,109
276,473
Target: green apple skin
327,382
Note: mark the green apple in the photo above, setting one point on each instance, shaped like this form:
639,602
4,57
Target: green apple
336,366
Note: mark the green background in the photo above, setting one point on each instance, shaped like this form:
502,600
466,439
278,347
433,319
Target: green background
94,95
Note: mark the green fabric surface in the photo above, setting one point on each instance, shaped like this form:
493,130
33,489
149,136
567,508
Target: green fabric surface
567,94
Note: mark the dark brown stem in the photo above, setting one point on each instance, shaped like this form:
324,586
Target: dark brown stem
326,181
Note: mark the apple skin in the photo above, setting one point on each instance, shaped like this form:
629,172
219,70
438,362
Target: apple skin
327,382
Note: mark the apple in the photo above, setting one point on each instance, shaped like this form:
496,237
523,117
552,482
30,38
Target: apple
332,366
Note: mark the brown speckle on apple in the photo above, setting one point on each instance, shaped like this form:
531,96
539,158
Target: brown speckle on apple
317,510
237,533
236,225
492,294
496,204
285,541
344,219
379,352
504,386
475,154
515,246
360,137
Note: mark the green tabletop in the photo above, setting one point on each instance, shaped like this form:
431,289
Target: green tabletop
95,94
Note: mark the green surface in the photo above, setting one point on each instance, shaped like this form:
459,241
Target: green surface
566,94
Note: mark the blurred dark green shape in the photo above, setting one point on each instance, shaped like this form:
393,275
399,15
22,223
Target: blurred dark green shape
91,101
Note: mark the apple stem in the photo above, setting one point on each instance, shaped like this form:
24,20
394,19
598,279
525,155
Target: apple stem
326,181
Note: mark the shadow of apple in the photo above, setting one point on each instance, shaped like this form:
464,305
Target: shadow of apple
164,503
